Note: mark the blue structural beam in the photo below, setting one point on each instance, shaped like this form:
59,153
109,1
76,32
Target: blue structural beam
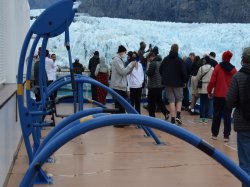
121,100
115,119
69,120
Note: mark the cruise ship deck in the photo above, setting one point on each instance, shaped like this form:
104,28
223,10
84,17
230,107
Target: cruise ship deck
124,157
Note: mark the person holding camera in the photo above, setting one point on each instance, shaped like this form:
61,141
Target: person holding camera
219,84
202,79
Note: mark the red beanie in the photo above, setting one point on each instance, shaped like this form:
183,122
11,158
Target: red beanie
227,55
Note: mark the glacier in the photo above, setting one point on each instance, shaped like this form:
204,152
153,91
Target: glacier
88,34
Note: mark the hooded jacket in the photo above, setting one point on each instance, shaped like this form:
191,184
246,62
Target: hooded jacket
221,79
173,71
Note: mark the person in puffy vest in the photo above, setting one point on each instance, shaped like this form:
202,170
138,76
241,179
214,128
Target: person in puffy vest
238,97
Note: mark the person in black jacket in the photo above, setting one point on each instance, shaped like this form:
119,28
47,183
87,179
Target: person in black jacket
93,62
238,97
78,67
174,75
213,62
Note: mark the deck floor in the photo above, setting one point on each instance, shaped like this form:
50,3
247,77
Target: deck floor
124,157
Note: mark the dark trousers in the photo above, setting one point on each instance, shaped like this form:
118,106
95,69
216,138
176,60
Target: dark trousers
135,98
185,101
221,110
117,104
155,98
54,94
204,104
94,92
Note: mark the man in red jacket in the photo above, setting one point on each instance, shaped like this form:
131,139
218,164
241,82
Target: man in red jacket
219,84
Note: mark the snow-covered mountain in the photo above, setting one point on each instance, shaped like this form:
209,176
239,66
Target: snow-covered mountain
106,34
188,11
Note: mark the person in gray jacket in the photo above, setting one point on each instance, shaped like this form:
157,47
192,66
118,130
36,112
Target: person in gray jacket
238,97
119,74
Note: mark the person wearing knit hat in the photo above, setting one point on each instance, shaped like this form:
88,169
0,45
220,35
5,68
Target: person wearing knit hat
119,76
219,84
156,50
246,55
227,55
121,49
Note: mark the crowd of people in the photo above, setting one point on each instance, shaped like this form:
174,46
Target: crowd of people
218,86
173,84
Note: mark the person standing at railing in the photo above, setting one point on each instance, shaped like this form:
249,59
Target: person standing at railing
102,73
54,70
50,68
93,62
78,67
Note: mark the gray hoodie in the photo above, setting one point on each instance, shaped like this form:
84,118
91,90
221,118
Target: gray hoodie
119,74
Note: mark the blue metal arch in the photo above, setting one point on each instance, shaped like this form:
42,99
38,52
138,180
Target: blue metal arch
161,125
84,79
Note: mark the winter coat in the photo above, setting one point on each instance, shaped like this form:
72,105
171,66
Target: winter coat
205,69
221,79
154,77
119,74
236,91
136,77
78,68
173,71
93,62
195,67
213,62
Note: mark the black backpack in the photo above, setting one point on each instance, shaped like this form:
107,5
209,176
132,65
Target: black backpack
245,103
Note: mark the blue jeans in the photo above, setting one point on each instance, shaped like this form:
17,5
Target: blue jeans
243,141
204,105
210,108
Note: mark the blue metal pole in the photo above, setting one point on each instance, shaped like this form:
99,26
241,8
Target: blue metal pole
128,107
122,101
22,109
80,96
161,125
67,121
71,125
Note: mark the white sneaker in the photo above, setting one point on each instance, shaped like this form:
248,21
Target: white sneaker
226,139
214,137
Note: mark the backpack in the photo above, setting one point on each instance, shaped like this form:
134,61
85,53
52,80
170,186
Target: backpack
245,103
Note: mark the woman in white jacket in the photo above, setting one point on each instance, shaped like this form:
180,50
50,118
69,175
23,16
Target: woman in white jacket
203,76
135,81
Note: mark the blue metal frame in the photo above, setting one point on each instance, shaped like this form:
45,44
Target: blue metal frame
104,121
84,79
47,25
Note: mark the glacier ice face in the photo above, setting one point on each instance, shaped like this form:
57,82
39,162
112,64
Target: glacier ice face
89,34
